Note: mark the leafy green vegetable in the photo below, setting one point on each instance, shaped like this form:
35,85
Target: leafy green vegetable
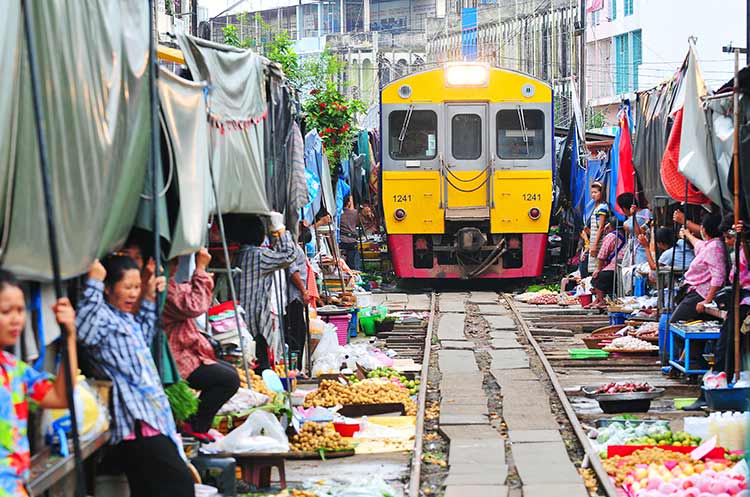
182,400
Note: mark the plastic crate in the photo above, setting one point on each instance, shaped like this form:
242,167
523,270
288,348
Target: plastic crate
728,399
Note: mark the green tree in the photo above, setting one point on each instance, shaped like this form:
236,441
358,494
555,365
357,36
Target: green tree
231,35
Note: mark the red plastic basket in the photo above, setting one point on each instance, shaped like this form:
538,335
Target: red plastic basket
626,450
346,429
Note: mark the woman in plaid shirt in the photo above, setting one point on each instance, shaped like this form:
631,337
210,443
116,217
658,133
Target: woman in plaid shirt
117,334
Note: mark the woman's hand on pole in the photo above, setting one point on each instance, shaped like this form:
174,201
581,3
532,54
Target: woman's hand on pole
66,317
202,259
97,271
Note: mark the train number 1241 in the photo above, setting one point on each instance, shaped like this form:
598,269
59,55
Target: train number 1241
402,198
529,197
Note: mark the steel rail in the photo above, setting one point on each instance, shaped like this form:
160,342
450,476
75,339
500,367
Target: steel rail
416,461
606,484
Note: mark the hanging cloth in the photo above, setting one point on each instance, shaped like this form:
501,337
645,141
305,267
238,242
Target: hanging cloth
674,181
625,169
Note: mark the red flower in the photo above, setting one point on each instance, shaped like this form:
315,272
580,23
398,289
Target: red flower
322,105
345,127
328,131
333,141
343,107
314,92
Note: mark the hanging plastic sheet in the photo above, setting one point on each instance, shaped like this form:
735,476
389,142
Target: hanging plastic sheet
237,110
696,158
95,102
625,177
10,38
652,119
674,182
313,164
721,130
183,110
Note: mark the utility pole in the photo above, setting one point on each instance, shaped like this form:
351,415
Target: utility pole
582,61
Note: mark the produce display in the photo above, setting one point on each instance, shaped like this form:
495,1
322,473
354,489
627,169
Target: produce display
316,436
685,480
256,383
628,387
677,439
619,467
294,493
647,331
544,299
394,376
630,343
369,391
621,432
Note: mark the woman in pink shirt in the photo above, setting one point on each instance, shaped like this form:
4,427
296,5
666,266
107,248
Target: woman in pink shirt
725,348
706,274
195,357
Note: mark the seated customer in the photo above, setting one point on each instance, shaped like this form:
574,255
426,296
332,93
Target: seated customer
196,360
707,272
673,254
610,253
118,340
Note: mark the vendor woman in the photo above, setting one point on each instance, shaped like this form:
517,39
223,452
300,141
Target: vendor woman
196,360
706,274
117,339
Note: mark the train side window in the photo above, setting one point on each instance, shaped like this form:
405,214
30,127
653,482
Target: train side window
520,134
466,136
412,134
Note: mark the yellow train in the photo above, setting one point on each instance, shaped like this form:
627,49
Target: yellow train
467,172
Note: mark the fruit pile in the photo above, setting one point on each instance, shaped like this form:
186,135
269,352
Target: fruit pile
677,439
294,493
624,388
620,467
370,391
544,299
684,480
316,436
256,383
394,376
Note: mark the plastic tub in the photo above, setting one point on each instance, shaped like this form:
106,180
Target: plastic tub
683,402
346,429
728,399
584,299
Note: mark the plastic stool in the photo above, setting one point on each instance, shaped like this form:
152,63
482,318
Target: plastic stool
224,466
256,469
616,318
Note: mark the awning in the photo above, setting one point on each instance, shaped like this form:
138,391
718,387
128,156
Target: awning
170,54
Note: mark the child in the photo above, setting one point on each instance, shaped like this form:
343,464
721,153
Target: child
20,383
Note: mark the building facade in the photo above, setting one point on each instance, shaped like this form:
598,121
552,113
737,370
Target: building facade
635,44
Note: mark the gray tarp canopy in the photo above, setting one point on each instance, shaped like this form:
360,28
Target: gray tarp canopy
93,62
237,110
184,117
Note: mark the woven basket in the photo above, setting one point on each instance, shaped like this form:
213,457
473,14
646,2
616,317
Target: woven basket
593,341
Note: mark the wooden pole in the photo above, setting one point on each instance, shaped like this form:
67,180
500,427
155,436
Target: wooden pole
737,243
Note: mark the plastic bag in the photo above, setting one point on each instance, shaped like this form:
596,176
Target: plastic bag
715,380
329,342
92,417
261,432
370,487
242,400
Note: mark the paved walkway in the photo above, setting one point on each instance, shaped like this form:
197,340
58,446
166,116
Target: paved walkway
477,453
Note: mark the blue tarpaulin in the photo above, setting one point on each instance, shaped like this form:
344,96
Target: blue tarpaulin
469,33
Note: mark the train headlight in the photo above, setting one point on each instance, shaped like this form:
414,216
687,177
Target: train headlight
535,213
467,74
399,214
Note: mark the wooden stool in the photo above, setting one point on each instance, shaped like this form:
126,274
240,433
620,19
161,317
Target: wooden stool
256,468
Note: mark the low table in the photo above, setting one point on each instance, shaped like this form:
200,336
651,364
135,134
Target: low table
689,338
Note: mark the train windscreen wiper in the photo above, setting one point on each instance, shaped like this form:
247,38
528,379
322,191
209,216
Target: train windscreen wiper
404,128
524,129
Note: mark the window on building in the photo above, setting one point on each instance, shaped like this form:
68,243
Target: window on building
466,136
612,10
520,134
628,58
628,7
595,17
412,134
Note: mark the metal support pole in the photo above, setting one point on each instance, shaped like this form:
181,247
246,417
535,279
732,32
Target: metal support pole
582,62
737,242
80,490
155,176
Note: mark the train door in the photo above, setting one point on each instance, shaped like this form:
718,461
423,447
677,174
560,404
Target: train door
465,160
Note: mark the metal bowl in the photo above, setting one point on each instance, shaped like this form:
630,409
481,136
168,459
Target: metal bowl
590,392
